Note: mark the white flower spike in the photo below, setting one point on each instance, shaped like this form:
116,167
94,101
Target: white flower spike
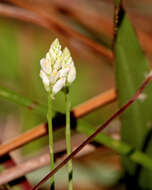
57,69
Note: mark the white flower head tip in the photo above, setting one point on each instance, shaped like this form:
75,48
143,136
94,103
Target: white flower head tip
66,52
149,74
68,63
57,68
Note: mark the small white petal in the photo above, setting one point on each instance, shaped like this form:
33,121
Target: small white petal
58,52
58,86
48,57
51,55
55,44
64,72
71,75
46,66
66,52
57,64
54,77
55,49
66,56
142,97
45,80
44,77
42,62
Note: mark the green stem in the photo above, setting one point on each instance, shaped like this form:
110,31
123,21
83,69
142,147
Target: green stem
50,131
68,139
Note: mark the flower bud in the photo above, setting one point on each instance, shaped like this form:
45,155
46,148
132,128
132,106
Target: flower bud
57,68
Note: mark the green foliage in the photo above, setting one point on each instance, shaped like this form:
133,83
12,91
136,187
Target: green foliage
131,68
9,52
20,54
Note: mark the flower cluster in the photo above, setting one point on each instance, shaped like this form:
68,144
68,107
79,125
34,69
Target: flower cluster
57,68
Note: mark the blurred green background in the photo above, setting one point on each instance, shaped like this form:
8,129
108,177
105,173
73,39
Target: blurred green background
23,44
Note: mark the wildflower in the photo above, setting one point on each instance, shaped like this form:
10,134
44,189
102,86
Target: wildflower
57,69
142,97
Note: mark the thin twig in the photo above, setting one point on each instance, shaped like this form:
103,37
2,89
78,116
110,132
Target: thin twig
51,141
41,130
91,137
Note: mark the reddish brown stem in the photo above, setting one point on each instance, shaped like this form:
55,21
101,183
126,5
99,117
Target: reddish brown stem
91,137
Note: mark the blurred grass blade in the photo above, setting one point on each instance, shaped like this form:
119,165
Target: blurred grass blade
20,100
131,69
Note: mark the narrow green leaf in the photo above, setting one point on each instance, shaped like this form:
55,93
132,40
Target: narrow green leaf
18,99
131,68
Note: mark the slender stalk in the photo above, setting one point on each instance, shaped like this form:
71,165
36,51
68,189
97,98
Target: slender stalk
68,139
50,131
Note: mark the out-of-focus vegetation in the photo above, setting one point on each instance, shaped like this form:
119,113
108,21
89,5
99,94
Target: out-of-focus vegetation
22,45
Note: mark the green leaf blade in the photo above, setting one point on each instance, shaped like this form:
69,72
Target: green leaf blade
131,70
